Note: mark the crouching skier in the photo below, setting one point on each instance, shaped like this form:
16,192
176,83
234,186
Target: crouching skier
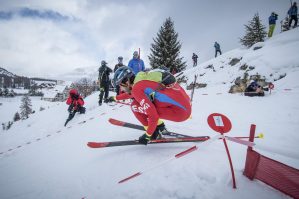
75,102
156,95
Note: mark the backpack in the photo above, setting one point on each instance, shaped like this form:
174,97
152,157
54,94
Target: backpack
163,77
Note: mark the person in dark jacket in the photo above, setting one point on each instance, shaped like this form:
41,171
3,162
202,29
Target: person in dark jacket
136,64
293,11
194,58
104,81
254,87
120,64
75,102
217,48
272,23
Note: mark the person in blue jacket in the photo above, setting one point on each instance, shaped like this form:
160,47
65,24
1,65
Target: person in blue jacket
293,11
217,48
136,64
272,23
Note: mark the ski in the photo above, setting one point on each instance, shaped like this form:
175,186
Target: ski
135,142
139,127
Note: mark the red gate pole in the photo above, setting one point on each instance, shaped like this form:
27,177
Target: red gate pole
230,163
251,135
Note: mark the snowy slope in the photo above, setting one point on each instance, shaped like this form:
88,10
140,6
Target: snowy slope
43,159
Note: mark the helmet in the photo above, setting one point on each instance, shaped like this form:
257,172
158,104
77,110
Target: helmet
73,92
122,75
103,63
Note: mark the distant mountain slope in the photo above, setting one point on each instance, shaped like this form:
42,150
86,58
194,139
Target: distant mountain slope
6,73
271,60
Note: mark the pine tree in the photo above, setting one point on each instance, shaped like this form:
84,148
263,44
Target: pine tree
255,32
25,107
16,117
166,49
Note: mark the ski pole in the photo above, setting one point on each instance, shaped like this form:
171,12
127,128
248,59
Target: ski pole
185,152
264,148
258,136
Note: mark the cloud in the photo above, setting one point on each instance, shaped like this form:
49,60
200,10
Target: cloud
48,38
34,14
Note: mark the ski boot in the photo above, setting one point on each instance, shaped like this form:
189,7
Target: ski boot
162,129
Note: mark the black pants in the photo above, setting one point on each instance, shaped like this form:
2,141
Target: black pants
194,62
104,89
216,52
295,18
117,89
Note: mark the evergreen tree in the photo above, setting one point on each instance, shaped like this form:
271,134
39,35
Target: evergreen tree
166,49
255,32
16,117
5,92
25,107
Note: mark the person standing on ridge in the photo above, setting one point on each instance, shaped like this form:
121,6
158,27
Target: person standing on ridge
272,23
136,64
117,66
292,12
104,81
194,58
217,48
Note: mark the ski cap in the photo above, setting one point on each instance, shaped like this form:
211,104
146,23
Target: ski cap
103,63
73,92
135,54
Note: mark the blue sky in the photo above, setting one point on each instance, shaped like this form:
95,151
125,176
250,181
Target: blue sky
50,38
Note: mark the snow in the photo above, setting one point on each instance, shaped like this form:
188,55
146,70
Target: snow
49,160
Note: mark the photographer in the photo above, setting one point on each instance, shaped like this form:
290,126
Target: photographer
272,22
75,103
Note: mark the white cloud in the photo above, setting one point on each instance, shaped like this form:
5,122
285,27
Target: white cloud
108,29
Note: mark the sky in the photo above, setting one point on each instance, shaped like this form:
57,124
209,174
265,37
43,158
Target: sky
52,38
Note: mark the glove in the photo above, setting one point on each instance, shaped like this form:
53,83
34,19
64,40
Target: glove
110,99
144,139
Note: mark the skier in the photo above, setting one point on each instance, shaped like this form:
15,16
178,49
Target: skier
156,95
120,64
104,81
136,64
194,58
272,23
75,103
217,48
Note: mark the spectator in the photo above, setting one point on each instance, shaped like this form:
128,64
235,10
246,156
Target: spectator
217,48
120,64
272,23
104,81
136,64
293,14
194,58
75,102
254,87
